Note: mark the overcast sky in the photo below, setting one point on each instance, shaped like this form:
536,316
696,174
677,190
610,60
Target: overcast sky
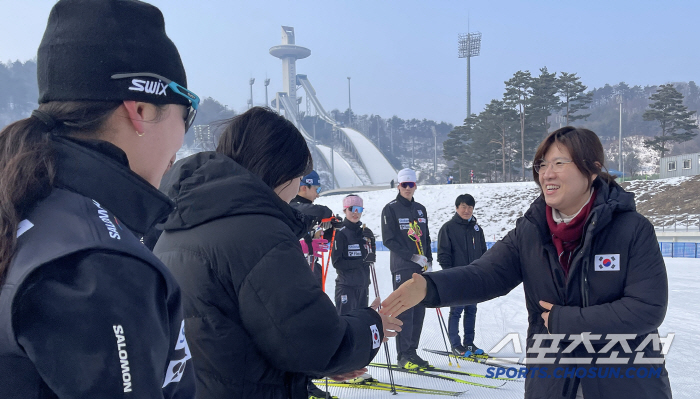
402,55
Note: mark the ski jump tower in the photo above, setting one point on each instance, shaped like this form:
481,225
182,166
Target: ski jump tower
362,163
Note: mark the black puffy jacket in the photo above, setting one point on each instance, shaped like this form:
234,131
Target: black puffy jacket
616,284
460,242
256,319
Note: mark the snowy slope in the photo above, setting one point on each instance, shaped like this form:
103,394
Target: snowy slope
344,173
500,316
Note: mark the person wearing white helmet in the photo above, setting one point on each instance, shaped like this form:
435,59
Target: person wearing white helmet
405,232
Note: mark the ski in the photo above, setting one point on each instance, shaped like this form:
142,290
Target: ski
468,374
430,373
482,359
382,386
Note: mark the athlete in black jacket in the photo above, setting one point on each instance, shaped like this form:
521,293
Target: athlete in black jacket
257,321
354,249
86,310
460,242
314,216
407,257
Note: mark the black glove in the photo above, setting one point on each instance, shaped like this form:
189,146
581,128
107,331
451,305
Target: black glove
367,233
371,257
337,222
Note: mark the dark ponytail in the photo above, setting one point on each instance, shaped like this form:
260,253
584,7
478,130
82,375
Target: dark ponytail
27,166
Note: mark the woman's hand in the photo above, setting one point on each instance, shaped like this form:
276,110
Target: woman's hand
545,315
408,295
392,325
348,376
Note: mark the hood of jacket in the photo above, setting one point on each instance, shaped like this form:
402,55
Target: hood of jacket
610,199
208,186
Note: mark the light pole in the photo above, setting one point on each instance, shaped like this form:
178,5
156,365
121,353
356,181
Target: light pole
349,104
619,166
468,46
250,102
267,83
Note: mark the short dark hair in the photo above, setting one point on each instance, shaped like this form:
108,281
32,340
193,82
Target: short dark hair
584,147
464,199
266,144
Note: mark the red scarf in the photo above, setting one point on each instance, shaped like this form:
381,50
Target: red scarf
567,237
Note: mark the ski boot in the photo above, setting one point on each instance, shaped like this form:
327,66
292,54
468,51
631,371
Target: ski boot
459,350
318,393
471,350
366,377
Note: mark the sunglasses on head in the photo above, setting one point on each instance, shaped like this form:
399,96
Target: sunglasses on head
190,111
408,184
356,209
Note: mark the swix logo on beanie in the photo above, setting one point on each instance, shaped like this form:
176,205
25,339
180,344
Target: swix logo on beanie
149,86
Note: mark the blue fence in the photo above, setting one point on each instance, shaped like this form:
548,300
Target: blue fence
668,249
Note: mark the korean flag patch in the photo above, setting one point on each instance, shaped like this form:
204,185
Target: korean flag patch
476,227
607,263
376,338
398,278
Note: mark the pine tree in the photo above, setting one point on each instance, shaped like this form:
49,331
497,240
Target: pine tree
573,98
667,108
500,124
518,92
544,98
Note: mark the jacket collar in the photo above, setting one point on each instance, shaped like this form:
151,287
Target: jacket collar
458,219
301,200
100,170
352,226
610,199
403,201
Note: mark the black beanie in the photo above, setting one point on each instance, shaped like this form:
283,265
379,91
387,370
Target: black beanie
88,41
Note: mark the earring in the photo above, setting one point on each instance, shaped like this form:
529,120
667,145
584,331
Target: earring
140,134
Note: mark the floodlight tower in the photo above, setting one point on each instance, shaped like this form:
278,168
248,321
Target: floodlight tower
468,46
250,102
289,53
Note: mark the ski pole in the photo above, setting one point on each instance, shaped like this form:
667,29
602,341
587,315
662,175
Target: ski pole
328,265
373,274
386,344
443,330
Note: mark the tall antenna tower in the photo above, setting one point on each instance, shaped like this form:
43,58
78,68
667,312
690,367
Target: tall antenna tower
468,46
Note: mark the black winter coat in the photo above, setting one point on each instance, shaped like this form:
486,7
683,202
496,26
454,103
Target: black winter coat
628,294
313,214
256,319
396,217
87,311
349,253
460,242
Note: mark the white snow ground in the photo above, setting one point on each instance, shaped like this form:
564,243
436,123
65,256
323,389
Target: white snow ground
506,314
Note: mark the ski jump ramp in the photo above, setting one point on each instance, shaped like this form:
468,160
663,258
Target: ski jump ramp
374,162
345,176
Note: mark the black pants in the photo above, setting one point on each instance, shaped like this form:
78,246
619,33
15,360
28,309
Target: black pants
349,298
407,340
468,324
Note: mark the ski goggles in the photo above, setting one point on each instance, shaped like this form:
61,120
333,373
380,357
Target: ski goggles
190,111
408,184
356,209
